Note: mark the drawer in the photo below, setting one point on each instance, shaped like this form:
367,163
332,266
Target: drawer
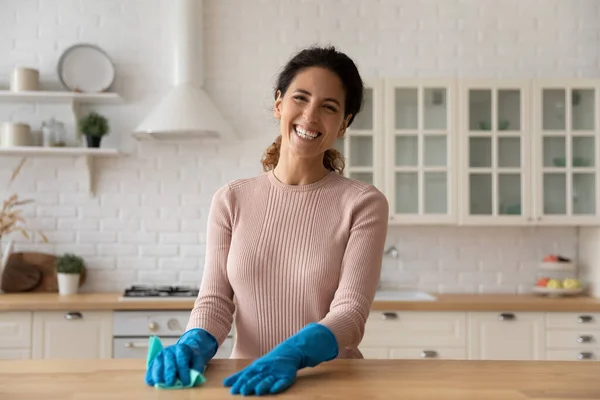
426,353
573,320
411,329
15,329
374,353
574,355
572,339
136,347
15,354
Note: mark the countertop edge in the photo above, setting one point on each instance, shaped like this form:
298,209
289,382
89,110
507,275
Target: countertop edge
449,302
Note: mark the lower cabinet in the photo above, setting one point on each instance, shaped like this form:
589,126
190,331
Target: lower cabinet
15,335
559,336
572,336
415,334
85,334
506,336
441,335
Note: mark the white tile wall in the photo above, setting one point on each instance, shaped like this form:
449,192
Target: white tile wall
147,223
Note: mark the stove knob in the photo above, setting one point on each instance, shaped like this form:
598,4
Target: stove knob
173,325
153,326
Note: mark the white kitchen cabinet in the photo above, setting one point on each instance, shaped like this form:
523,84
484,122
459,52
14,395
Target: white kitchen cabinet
495,152
420,150
506,336
567,144
72,334
415,334
15,335
362,145
573,336
480,152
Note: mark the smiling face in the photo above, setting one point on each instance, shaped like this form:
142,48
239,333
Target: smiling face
311,113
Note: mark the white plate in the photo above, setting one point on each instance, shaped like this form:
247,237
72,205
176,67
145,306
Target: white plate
557,292
86,68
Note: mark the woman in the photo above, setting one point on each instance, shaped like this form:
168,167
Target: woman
300,246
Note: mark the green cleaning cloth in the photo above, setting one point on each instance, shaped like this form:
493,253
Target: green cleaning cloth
154,347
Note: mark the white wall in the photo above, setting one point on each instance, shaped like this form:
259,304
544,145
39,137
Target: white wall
148,221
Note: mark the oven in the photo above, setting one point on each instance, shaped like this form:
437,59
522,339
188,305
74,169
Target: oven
132,330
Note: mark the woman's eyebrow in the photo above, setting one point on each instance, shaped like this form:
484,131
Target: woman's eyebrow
327,99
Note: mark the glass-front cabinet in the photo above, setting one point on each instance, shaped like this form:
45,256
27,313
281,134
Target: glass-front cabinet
362,144
420,150
495,152
566,157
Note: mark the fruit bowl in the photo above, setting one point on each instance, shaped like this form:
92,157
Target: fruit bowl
557,292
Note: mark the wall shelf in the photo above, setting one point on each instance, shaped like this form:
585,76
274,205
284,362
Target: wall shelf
7,96
88,154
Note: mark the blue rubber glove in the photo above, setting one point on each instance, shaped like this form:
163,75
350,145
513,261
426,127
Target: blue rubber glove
276,371
194,349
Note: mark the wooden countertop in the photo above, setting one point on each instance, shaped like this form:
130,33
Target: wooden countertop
340,379
444,302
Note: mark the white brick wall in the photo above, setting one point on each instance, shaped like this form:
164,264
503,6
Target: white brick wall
147,223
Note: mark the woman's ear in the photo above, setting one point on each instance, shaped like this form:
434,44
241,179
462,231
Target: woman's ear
344,126
277,106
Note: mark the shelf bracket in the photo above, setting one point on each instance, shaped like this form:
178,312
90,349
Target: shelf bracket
91,174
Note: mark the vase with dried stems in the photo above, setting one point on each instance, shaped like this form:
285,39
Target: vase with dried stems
12,220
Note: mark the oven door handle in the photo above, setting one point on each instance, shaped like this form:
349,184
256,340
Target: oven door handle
136,345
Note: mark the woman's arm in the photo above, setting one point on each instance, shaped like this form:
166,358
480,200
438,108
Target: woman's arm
361,269
213,309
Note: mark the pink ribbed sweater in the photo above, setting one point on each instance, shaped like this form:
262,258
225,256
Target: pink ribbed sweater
291,254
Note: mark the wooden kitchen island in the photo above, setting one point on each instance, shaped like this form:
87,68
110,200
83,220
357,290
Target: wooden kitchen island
340,379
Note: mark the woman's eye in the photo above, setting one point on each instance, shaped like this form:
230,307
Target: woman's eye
331,108
299,98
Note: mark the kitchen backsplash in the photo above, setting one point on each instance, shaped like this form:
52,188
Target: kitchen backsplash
147,222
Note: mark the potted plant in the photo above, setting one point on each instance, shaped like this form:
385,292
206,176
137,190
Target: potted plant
68,271
93,126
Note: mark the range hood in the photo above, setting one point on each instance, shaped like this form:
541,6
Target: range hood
187,112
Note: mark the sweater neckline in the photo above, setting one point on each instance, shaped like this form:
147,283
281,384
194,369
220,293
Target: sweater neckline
298,188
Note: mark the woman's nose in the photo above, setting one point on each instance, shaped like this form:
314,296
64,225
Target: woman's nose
311,113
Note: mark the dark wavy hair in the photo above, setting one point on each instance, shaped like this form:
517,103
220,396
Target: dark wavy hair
336,62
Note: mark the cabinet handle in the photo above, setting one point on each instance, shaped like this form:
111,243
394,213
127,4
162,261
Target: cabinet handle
134,345
585,319
389,315
585,355
506,317
73,315
585,339
429,354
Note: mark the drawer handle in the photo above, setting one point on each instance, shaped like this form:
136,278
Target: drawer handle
585,339
506,317
389,315
73,315
585,319
429,354
135,345
585,355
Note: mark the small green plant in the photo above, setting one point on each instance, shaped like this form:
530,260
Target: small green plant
94,124
69,264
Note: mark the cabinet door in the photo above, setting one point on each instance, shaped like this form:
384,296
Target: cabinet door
420,152
566,157
495,153
15,330
86,334
362,144
506,336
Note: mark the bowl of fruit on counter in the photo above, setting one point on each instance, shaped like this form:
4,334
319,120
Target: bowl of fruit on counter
558,287
558,277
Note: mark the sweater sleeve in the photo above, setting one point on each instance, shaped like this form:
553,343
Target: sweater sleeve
361,269
214,307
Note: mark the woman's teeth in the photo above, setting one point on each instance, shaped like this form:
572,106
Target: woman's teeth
305,134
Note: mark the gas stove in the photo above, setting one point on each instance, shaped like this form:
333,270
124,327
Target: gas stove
145,292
